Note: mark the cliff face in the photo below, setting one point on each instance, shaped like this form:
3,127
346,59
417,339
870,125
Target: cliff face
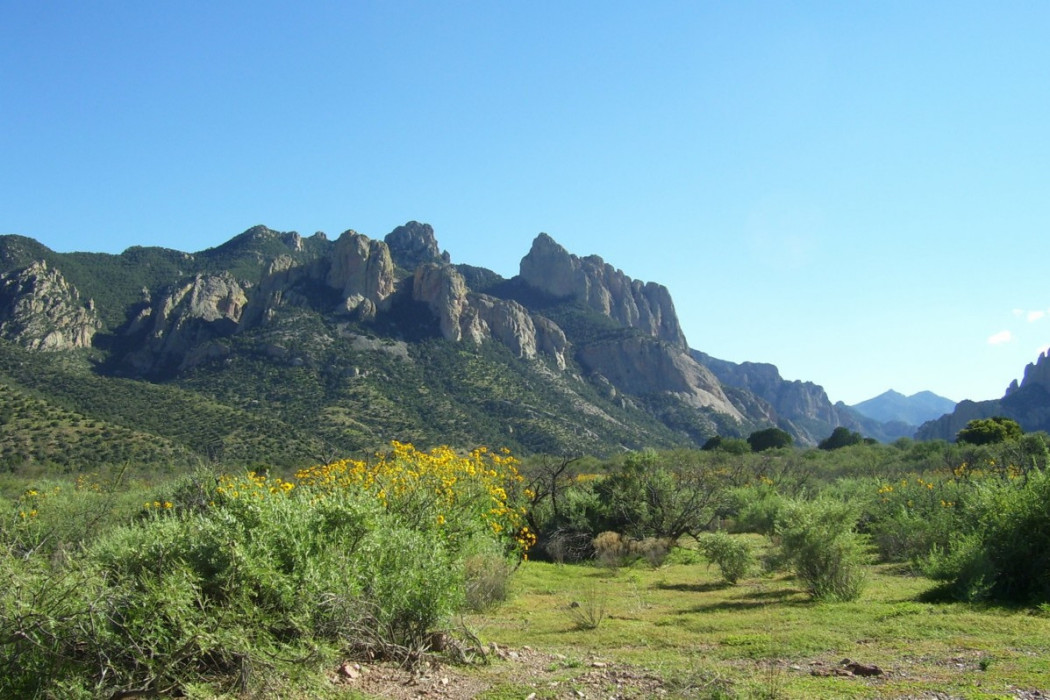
642,365
362,271
464,315
40,310
184,317
599,286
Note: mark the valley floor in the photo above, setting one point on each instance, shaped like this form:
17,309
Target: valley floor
678,631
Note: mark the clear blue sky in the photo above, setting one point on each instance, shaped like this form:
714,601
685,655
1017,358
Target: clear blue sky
857,192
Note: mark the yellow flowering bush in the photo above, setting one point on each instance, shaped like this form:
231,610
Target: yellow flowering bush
460,495
225,572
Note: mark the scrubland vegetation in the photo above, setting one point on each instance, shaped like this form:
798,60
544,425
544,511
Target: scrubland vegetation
721,572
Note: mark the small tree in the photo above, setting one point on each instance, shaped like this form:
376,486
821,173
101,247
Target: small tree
769,439
990,431
665,495
840,437
733,446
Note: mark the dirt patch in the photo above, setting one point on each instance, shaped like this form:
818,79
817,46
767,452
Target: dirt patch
536,674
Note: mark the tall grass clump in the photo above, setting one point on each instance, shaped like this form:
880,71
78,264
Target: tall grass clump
261,584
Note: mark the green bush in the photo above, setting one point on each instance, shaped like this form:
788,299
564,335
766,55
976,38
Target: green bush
1004,554
757,509
818,542
731,554
908,517
233,587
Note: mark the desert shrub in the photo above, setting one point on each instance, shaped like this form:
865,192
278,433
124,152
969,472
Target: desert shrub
610,549
905,516
756,509
566,545
731,554
566,525
664,495
1003,552
652,550
263,581
964,566
52,516
487,579
818,542
613,550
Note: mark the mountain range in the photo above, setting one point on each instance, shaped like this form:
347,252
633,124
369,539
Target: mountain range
288,349
916,409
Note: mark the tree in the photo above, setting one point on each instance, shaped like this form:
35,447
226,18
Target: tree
665,495
989,431
769,439
840,437
735,446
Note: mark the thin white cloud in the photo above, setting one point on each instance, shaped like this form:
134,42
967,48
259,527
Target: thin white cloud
1000,338
1030,315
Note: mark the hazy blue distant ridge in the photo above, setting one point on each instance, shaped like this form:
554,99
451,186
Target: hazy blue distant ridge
913,410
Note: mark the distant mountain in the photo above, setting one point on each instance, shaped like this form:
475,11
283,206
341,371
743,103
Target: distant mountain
1028,403
912,410
282,349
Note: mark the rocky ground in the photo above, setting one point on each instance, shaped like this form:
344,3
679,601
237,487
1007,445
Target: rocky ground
528,674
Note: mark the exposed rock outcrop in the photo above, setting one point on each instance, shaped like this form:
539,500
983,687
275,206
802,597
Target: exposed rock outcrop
550,338
414,244
363,272
40,310
591,281
444,292
463,314
644,365
791,399
188,315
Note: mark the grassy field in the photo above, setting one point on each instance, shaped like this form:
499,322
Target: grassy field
760,638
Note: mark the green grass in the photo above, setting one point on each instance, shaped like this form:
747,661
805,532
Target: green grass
764,637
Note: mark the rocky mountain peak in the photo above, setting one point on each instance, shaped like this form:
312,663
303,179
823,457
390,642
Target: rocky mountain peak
599,286
363,271
1038,372
414,244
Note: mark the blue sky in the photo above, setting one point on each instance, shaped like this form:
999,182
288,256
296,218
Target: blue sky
856,192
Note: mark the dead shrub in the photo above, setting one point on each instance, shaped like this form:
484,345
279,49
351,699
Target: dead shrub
487,581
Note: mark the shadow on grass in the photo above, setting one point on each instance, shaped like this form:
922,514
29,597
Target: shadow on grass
948,594
750,601
694,587
944,593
